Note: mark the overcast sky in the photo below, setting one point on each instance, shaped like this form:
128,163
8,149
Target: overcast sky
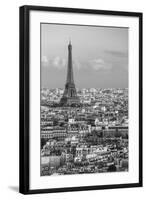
100,56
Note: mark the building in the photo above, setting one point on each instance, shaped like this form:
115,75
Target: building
54,132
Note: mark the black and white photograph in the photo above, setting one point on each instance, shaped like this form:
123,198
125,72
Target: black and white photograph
84,99
80,99
72,93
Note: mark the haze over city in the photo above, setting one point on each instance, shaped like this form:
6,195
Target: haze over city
100,56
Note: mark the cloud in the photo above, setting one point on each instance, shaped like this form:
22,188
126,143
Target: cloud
121,54
119,59
61,63
56,62
99,64
44,60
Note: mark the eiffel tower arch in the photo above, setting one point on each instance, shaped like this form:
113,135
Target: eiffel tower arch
70,97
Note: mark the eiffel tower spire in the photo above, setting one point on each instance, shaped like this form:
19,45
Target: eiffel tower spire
70,95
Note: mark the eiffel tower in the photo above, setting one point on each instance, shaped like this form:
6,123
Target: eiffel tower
70,97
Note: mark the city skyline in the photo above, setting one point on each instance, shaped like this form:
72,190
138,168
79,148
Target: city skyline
100,55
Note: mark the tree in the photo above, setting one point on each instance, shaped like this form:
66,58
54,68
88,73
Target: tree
43,142
112,168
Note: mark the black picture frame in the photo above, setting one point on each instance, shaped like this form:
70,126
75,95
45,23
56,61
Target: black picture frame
24,122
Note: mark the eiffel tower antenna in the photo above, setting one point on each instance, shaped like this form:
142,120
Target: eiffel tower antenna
69,40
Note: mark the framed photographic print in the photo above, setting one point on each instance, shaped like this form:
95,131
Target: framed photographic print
80,99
